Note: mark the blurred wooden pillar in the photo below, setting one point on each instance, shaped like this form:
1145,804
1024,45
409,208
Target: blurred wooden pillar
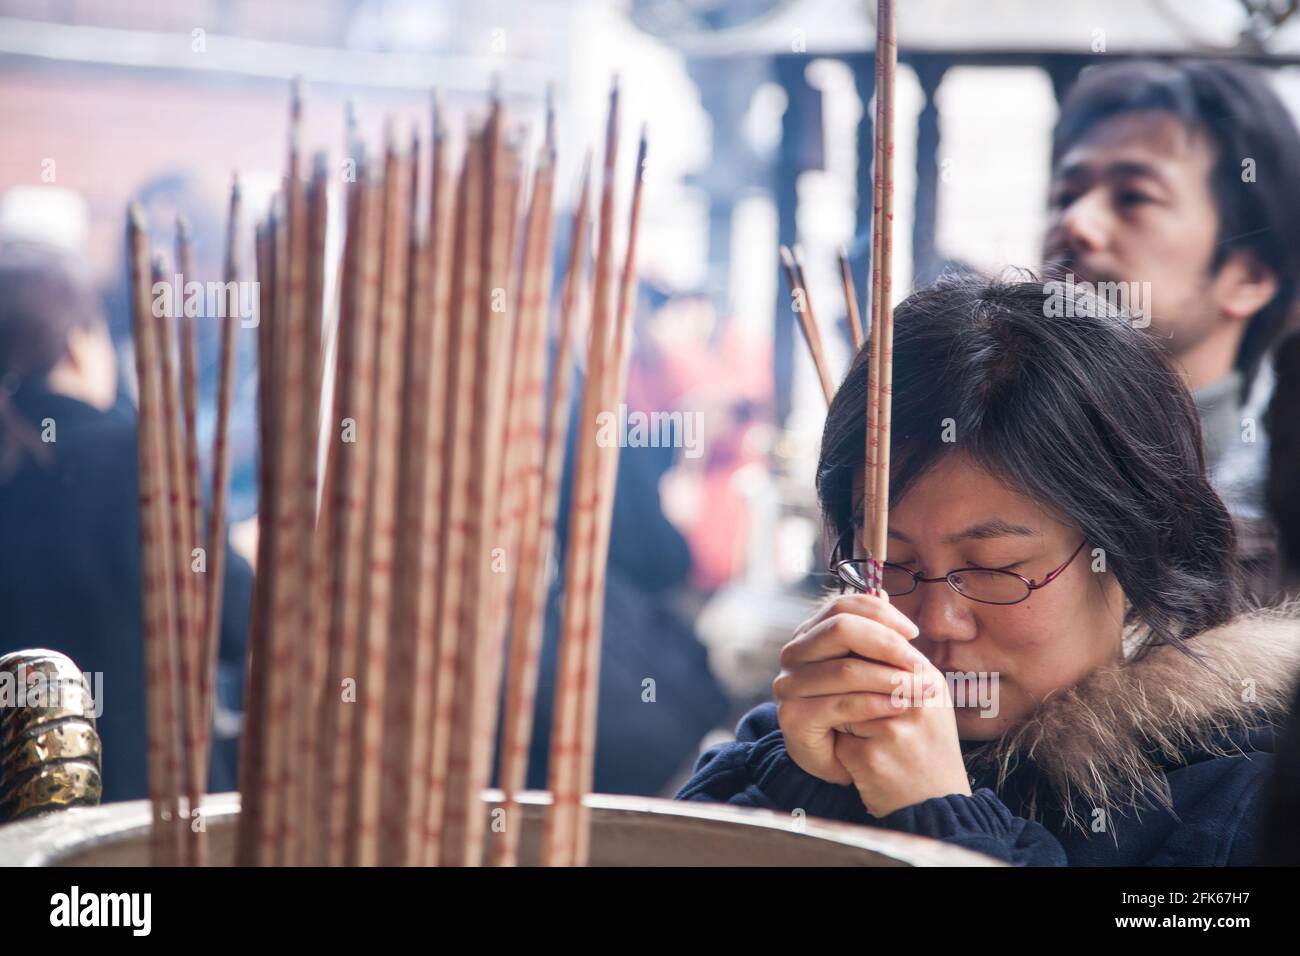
925,259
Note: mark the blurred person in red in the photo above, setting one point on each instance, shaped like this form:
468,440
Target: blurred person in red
713,384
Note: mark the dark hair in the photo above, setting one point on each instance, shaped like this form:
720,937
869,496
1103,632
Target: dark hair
1064,399
43,297
1241,114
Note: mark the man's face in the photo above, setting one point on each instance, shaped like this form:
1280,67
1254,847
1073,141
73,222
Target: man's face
1131,202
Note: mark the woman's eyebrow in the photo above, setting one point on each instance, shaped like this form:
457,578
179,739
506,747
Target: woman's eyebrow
993,528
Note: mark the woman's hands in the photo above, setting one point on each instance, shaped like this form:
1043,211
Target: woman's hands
822,686
899,761
902,747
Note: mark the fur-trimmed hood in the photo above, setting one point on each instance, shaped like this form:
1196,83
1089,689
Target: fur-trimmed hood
1108,740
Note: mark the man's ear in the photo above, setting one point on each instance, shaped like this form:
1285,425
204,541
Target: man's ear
1243,286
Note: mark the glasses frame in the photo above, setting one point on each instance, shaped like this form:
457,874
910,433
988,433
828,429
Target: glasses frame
837,568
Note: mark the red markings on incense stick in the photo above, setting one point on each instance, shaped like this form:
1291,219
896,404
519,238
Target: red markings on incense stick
378,579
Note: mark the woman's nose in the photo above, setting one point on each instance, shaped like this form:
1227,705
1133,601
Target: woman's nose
941,614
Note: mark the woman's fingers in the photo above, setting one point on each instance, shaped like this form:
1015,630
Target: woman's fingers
864,605
841,675
848,633
818,715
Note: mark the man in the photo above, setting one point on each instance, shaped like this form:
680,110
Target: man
69,513
1180,180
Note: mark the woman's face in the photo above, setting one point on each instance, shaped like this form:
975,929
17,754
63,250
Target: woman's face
1000,660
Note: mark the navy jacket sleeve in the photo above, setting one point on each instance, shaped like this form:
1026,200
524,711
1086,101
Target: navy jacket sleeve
757,771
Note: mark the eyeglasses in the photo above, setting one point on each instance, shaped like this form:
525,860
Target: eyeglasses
985,585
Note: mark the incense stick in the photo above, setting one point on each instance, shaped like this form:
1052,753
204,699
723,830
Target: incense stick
178,549
460,396
189,513
811,334
368,736
615,387
530,595
216,533
278,828
402,682
308,661
352,423
279,514
559,840
520,488
479,643
850,301
883,271
515,436
162,711
251,744
435,293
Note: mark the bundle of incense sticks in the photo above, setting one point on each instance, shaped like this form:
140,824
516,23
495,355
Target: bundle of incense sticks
182,570
400,587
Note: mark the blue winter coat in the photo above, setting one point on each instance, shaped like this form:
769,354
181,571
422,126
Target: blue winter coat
1157,761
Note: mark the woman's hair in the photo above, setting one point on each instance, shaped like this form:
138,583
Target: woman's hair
1059,395
43,298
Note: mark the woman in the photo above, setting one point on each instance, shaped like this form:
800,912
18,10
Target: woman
1063,672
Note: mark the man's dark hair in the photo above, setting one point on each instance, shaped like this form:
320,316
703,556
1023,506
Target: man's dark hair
1083,414
1235,106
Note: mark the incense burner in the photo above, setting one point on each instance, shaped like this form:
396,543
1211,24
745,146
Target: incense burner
50,761
626,831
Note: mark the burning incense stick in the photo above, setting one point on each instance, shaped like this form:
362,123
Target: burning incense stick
811,334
